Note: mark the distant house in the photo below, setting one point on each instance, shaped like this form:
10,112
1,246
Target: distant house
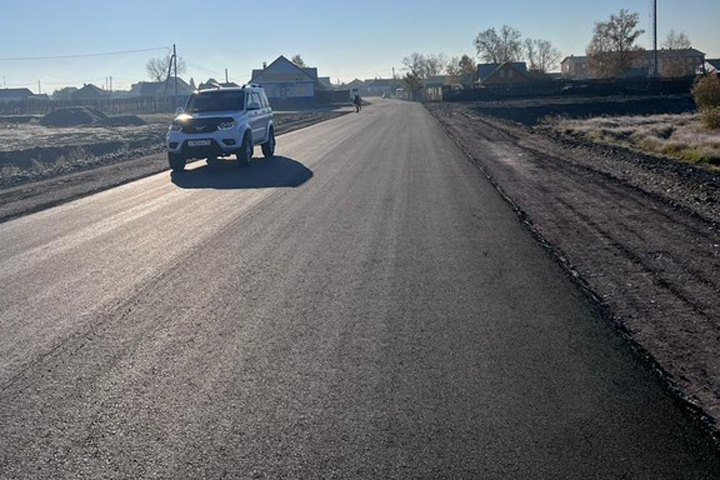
161,89
508,73
64,93
8,95
671,63
379,86
88,92
357,86
575,68
212,83
712,65
433,86
283,80
675,63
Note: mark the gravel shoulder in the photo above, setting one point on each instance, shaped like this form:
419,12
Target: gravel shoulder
111,170
641,234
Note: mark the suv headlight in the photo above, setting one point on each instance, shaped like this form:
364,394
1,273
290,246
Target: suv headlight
176,127
227,125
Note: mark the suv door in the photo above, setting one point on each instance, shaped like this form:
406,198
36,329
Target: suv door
257,117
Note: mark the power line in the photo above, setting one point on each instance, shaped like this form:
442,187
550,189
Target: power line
203,69
59,57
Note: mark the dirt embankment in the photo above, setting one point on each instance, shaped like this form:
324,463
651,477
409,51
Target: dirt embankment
530,111
640,234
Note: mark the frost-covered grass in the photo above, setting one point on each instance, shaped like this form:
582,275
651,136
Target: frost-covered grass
683,137
14,136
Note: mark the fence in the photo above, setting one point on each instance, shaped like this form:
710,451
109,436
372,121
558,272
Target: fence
114,106
140,105
625,86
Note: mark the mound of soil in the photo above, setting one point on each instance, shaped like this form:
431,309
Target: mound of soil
73,116
79,116
123,121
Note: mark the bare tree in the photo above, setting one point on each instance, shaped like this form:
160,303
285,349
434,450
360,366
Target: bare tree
419,68
541,55
468,70
494,47
612,49
453,67
424,66
673,64
677,41
297,60
157,68
463,68
414,84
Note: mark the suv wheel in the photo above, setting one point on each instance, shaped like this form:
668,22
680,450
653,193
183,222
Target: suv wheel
176,161
268,148
244,155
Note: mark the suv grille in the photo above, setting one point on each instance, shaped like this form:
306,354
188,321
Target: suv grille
203,125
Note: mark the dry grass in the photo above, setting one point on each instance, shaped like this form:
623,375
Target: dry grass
25,136
683,137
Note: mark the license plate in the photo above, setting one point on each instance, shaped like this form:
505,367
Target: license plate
198,143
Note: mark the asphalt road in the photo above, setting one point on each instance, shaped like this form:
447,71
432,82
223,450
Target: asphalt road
363,306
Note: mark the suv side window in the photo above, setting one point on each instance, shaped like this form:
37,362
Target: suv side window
253,97
264,100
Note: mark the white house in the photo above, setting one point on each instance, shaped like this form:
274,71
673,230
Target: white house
283,80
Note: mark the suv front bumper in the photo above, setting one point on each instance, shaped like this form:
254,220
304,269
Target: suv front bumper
220,143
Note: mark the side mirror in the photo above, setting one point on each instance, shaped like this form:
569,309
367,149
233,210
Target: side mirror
179,110
253,106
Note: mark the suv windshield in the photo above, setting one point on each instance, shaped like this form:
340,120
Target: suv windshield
215,101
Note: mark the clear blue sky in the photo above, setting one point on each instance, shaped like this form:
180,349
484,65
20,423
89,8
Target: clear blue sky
343,39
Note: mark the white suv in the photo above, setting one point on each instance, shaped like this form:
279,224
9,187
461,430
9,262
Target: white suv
222,122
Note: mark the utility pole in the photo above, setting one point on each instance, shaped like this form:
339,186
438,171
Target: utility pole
176,80
655,38
226,77
39,89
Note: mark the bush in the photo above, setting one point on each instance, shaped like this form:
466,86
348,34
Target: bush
710,117
706,92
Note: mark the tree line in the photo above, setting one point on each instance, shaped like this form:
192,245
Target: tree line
611,53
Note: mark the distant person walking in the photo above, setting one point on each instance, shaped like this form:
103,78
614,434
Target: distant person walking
358,103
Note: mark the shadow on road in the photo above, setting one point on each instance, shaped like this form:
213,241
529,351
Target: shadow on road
266,173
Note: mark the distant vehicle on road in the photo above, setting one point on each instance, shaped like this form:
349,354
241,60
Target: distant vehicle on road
222,122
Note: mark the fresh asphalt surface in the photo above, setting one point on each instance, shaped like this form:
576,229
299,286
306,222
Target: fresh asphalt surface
363,306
